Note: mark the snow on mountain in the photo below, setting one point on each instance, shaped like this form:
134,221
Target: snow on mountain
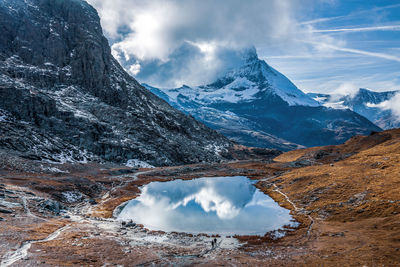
366,103
246,83
265,79
236,127
256,105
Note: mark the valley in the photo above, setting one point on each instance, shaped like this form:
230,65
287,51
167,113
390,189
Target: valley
100,169
345,197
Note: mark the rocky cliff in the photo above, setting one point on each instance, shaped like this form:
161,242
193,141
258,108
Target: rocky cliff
63,97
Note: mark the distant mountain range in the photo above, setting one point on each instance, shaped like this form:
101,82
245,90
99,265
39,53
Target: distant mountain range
366,103
256,105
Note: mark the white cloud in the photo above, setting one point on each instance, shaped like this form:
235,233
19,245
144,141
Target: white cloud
147,34
346,88
329,46
153,30
319,20
392,104
157,27
134,68
363,29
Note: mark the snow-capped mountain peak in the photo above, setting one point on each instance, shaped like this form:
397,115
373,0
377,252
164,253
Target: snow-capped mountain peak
253,79
256,105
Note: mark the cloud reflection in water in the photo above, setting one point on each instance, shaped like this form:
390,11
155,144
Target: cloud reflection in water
221,205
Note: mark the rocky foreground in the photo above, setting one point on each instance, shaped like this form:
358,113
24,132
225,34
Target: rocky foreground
346,198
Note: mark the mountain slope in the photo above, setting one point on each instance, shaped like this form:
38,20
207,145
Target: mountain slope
365,103
256,105
63,97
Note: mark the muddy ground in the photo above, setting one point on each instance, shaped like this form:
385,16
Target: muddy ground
346,198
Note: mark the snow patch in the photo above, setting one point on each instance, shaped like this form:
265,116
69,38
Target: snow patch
215,148
69,157
335,105
135,163
72,196
53,169
320,99
286,90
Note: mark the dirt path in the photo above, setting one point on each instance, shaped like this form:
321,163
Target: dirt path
22,251
276,189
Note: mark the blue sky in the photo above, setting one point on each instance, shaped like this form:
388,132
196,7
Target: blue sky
321,45
369,55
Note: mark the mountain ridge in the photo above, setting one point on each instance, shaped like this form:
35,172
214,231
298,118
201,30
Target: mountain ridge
65,98
256,105
366,103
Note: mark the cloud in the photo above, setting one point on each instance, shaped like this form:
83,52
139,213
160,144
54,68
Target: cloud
190,64
152,32
328,46
345,89
362,29
392,104
167,43
157,27
351,15
319,20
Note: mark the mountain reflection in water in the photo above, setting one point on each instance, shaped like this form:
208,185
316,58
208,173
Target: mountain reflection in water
218,205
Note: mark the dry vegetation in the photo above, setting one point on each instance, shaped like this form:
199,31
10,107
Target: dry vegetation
346,197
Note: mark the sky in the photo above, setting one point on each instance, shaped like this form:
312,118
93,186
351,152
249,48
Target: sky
320,45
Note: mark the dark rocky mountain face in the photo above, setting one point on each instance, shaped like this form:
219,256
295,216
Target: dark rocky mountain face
257,106
364,103
64,97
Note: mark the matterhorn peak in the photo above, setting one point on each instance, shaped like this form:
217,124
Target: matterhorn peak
249,54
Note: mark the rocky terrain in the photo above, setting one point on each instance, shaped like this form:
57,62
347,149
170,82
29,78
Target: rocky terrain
64,98
258,106
79,136
345,197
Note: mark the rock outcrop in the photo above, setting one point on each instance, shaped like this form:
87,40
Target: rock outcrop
63,97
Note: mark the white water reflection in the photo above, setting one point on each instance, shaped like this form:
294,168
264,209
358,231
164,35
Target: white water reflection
220,205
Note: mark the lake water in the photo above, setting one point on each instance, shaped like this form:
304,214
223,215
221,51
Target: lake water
218,205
